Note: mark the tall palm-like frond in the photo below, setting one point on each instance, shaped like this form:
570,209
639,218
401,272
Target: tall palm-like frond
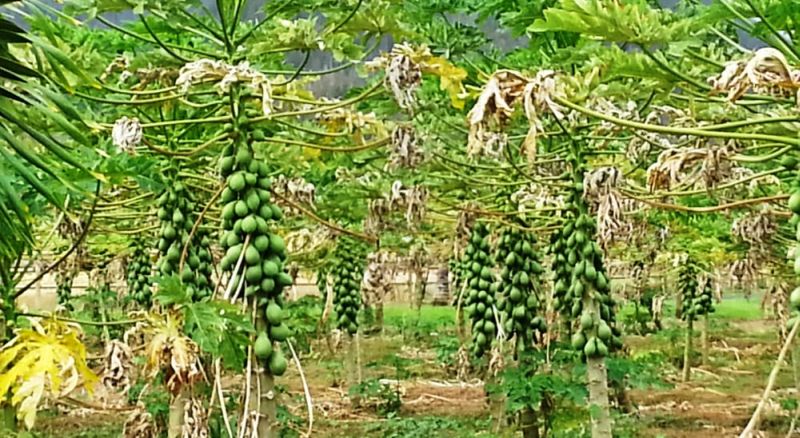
31,159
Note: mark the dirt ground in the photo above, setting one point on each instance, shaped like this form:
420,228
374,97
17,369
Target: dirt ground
717,402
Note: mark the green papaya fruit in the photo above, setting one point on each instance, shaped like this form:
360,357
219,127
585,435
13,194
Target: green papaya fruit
587,321
243,157
249,224
262,348
794,298
276,244
590,349
602,349
251,256
253,274
578,340
265,211
274,313
604,331
236,182
261,243
277,364
277,213
279,332
794,202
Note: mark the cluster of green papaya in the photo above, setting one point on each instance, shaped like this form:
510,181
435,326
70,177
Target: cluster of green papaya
587,295
138,272
458,271
254,256
347,271
688,286
479,298
562,271
703,303
322,283
519,302
203,263
64,282
794,308
175,207
794,207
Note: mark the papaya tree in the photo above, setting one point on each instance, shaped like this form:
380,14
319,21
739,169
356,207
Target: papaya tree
688,288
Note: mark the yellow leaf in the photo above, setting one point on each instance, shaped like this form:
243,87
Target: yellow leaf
451,78
36,361
27,397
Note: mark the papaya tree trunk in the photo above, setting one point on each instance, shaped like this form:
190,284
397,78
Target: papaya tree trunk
267,410
704,339
546,411
263,398
410,287
177,410
796,375
598,397
379,315
687,351
351,365
419,291
460,325
104,320
528,422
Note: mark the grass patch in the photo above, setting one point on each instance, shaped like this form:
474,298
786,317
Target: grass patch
739,309
400,315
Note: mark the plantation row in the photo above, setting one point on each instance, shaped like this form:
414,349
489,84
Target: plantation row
187,145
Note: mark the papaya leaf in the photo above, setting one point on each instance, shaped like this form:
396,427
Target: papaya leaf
47,358
171,291
219,329
634,22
